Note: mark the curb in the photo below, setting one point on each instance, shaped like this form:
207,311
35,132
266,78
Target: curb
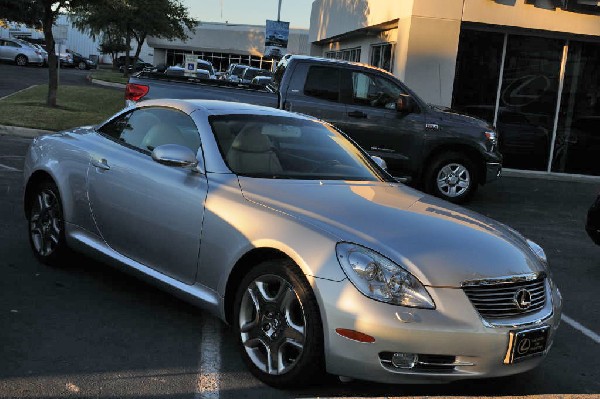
23,131
107,84
531,174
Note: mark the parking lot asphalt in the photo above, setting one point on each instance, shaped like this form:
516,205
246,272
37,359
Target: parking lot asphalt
14,78
89,331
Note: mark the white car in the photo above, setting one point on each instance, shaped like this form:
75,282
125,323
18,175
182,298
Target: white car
20,52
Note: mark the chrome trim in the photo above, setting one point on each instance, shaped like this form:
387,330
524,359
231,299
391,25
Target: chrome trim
503,280
456,363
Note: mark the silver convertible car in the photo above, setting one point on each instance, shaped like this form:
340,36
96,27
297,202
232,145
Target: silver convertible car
281,226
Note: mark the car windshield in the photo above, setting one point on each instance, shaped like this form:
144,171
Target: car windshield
290,148
206,67
239,70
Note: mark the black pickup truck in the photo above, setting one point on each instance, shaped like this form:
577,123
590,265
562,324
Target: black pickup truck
433,148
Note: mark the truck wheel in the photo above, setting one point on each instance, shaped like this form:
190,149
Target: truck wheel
452,176
278,325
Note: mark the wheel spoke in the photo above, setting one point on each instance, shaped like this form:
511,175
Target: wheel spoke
452,191
463,184
294,335
274,358
257,297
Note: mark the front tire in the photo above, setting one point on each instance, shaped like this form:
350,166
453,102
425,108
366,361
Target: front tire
21,60
46,224
278,325
452,176
82,65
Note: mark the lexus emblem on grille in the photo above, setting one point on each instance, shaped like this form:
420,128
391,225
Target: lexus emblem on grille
523,299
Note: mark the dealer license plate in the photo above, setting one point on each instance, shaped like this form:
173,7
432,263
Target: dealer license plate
524,344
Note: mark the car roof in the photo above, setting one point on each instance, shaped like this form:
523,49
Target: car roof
334,61
217,107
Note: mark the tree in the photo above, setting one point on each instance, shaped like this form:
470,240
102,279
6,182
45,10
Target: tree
138,19
41,14
113,43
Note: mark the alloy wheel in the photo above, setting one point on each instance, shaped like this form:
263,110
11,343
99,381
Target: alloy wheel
453,180
45,223
21,60
272,324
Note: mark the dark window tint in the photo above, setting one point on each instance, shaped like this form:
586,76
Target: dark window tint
374,91
477,72
323,82
148,128
115,127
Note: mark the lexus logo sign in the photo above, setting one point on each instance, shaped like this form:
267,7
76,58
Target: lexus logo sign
522,299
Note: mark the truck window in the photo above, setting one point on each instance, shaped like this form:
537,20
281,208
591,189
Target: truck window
323,82
374,91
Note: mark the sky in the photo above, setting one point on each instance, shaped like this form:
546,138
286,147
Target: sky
255,12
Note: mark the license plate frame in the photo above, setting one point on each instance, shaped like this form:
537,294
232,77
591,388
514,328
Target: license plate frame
525,344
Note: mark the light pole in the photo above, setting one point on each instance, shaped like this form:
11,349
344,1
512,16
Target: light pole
279,11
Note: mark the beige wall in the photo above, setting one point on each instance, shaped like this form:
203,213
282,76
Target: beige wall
529,16
237,39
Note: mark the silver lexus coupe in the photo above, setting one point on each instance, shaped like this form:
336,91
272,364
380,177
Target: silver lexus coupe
286,230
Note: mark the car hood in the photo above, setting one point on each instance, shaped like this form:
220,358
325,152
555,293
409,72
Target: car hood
438,242
449,114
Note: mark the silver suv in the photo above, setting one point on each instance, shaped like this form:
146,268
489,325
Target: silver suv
21,52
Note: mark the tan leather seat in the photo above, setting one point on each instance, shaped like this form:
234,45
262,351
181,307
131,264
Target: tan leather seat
164,134
252,153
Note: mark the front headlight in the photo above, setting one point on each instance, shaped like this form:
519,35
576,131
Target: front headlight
538,251
381,279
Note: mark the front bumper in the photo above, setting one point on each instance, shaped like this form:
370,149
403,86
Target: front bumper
493,170
454,330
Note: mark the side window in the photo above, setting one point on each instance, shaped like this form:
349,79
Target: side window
115,127
323,82
374,91
148,128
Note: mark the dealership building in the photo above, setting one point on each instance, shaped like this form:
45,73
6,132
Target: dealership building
224,44
529,67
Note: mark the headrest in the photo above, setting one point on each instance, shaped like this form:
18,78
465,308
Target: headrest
250,139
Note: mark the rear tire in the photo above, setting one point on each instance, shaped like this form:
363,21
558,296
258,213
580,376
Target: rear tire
21,60
452,176
278,325
46,224
82,65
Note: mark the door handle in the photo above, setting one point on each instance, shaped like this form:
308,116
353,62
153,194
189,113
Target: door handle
375,148
101,164
357,114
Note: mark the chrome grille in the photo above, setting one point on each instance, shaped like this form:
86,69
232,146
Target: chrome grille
501,299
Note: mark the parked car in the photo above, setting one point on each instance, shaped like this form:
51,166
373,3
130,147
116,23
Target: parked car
180,71
137,66
74,59
43,52
432,148
251,72
206,66
262,80
291,233
20,52
592,225
234,72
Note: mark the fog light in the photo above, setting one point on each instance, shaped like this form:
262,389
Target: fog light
404,360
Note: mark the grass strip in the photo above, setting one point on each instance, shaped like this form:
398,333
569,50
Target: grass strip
109,76
77,106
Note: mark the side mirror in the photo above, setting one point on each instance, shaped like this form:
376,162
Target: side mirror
379,161
405,104
174,155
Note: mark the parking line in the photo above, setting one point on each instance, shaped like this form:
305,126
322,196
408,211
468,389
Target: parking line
10,168
584,330
17,92
207,386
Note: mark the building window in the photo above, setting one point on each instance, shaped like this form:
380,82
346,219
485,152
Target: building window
381,56
350,54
